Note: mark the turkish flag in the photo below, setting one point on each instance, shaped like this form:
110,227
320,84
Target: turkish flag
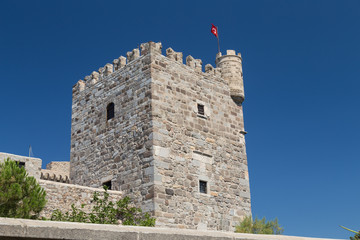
214,30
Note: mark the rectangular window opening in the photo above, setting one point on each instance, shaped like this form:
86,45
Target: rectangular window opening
201,110
203,186
21,164
107,184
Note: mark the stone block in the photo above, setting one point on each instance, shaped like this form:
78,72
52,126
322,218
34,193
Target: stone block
161,151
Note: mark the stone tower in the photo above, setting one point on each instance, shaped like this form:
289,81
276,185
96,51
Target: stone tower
167,134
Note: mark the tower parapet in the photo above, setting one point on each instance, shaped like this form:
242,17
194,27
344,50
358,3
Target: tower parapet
228,68
231,71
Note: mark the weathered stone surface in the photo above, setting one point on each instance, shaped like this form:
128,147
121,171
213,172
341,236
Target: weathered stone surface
211,144
32,165
231,70
61,196
135,53
56,171
159,145
150,47
120,147
177,56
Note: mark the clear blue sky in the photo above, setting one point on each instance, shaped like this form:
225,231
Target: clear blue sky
301,62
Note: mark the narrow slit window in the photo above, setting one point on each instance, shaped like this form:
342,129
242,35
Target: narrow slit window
110,111
107,184
201,110
203,186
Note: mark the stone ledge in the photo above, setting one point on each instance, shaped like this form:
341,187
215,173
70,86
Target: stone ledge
75,186
34,229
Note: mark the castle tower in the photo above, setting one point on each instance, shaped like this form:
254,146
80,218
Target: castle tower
231,71
167,134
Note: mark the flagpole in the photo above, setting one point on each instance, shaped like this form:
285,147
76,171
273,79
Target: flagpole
215,31
218,38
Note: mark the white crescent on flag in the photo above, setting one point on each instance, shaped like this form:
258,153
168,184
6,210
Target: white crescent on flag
214,30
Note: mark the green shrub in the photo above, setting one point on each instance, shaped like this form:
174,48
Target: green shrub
75,215
258,226
106,212
132,215
20,195
356,236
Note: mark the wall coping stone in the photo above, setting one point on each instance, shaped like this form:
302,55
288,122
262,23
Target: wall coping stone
47,182
11,228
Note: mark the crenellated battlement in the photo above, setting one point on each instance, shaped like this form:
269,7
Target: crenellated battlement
119,63
176,56
194,63
50,176
57,172
116,65
213,71
228,67
150,47
134,54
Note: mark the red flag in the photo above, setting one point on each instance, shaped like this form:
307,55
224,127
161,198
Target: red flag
214,30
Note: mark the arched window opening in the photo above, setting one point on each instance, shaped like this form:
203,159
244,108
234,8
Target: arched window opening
110,111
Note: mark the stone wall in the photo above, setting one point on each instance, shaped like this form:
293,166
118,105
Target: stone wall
56,171
11,229
189,147
120,149
32,165
61,196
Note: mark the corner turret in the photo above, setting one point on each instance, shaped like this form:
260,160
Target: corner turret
231,71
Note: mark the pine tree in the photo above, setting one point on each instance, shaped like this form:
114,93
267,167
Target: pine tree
20,195
356,236
259,226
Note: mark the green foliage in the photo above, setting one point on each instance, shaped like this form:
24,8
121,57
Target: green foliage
131,215
20,195
75,215
356,236
258,226
103,212
106,212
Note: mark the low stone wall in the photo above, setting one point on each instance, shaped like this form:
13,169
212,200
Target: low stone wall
62,196
11,229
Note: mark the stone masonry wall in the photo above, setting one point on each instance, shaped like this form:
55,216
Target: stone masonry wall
59,168
61,196
158,146
189,148
117,150
56,171
32,165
